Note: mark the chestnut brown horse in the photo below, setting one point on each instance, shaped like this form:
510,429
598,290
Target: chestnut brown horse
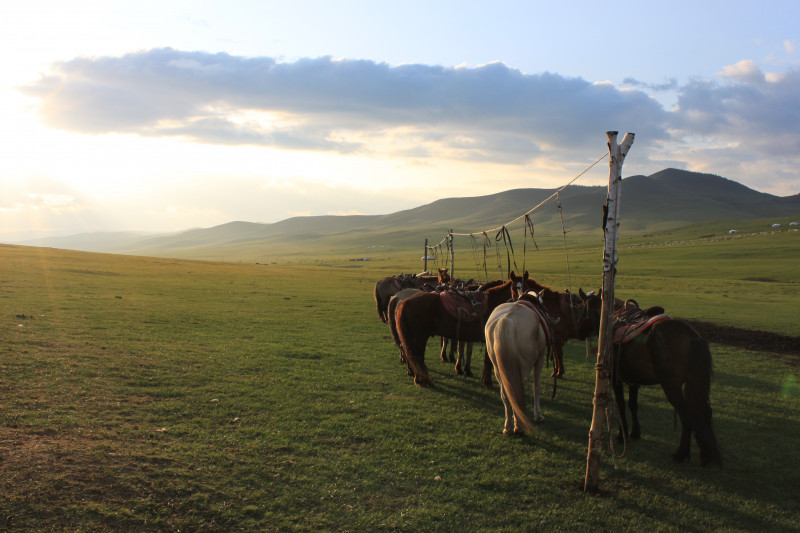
577,315
425,315
670,353
389,286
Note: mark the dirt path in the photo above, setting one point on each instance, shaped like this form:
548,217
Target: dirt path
762,341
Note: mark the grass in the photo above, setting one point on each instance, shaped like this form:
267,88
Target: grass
142,394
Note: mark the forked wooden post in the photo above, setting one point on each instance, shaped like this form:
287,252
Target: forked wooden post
452,257
617,155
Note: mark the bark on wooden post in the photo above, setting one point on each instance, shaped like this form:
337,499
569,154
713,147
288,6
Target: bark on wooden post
452,256
617,155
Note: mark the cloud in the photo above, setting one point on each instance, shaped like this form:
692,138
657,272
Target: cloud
338,105
758,112
669,85
487,114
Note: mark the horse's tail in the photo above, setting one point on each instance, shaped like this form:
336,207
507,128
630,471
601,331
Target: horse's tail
379,303
392,314
506,359
696,391
406,337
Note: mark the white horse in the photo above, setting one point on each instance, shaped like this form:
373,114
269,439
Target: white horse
516,342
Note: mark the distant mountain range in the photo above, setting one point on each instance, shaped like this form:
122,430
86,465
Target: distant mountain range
667,199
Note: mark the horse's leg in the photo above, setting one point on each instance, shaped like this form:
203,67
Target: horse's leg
675,397
463,361
633,404
558,360
508,427
443,354
537,388
486,376
460,359
468,366
453,348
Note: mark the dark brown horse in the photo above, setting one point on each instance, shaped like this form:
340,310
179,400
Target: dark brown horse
389,286
576,315
426,315
670,353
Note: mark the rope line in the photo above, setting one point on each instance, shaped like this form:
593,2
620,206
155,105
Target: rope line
503,233
543,201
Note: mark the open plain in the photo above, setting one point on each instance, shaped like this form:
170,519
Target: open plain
153,394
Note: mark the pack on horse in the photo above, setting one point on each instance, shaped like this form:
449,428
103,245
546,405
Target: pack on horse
389,286
651,348
464,360
518,336
455,315
577,315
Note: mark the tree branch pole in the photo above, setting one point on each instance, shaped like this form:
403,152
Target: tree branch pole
617,155
425,257
452,257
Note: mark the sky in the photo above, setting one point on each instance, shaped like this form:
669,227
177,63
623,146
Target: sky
159,116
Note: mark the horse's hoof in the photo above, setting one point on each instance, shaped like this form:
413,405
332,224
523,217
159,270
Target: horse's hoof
468,373
708,459
680,456
539,419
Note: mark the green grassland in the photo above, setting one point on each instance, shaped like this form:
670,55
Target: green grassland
150,394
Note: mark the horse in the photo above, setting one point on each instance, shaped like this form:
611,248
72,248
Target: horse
426,315
578,316
517,339
391,312
389,286
667,352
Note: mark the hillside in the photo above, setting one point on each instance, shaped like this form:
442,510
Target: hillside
664,200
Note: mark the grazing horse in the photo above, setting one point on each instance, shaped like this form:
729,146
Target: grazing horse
427,315
577,315
660,350
517,338
389,286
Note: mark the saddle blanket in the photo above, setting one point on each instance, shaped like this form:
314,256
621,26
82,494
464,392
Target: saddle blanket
626,332
467,306
543,320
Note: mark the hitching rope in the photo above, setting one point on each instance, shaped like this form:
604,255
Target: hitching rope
543,201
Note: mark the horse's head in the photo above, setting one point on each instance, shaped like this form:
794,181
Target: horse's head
586,309
521,284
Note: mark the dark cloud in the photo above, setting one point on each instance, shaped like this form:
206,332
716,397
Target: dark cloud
328,104
669,85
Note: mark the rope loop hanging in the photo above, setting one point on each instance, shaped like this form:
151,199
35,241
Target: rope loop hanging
528,228
503,233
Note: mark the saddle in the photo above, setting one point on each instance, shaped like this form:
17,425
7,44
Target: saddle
405,281
467,306
532,302
631,321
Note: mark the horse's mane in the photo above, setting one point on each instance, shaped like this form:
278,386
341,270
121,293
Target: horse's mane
491,284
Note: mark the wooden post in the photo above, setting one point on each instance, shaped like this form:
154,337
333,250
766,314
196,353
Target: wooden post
617,155
452,257
425,257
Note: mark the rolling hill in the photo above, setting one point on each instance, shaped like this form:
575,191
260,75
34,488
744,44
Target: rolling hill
667,199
